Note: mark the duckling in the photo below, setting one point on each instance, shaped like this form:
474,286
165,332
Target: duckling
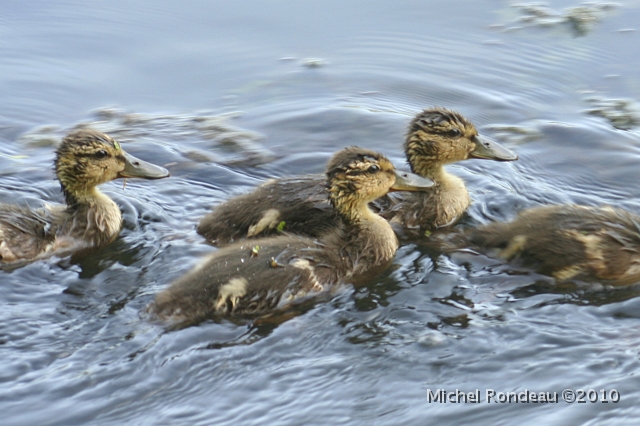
301,205
437,137
85,158
569,242
253,277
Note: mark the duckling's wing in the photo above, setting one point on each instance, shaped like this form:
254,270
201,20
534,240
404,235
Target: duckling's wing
24,233
296,205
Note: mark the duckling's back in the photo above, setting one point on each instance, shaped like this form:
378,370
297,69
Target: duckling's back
23,233
248,278
295,205
570,242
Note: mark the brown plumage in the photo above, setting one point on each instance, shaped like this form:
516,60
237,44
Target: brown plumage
569,242
84,159
436,137
256,276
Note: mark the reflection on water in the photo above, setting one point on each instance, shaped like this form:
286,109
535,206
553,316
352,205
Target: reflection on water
207,96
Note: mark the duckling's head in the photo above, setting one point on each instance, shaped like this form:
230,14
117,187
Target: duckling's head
87,158
438,136
357,176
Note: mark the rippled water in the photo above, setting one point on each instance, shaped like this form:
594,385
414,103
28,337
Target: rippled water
227,95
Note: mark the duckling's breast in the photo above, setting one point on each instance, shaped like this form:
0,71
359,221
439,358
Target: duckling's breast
439,207
373,250
450,199
94,224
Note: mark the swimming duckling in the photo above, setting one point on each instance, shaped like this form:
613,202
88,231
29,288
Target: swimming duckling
436,137
252,277
569,242
85,158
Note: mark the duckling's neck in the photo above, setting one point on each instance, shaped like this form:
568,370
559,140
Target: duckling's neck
428,169
77,196
91,215
352,212
445,182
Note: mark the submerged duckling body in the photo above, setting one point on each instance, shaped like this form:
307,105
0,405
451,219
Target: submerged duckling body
252,277
85,159
301,205
569,242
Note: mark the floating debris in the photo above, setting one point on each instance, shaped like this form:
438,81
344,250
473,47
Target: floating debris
234,146
199,156
274,263
14,157
254,251
581,19
314,62
42,137
281,226
514,134
623,114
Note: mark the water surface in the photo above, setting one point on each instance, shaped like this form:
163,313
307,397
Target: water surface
228,95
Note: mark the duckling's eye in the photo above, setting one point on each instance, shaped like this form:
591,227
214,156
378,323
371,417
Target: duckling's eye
454,133
101,155
373,169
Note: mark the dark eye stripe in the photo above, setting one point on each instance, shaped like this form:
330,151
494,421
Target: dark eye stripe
355,172
374,168
93,154
85,154
448,131
101,155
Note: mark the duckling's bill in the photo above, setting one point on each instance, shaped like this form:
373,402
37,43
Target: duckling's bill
489,149
135,168
406,181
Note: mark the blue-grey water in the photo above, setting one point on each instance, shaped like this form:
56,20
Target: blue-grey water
228,94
